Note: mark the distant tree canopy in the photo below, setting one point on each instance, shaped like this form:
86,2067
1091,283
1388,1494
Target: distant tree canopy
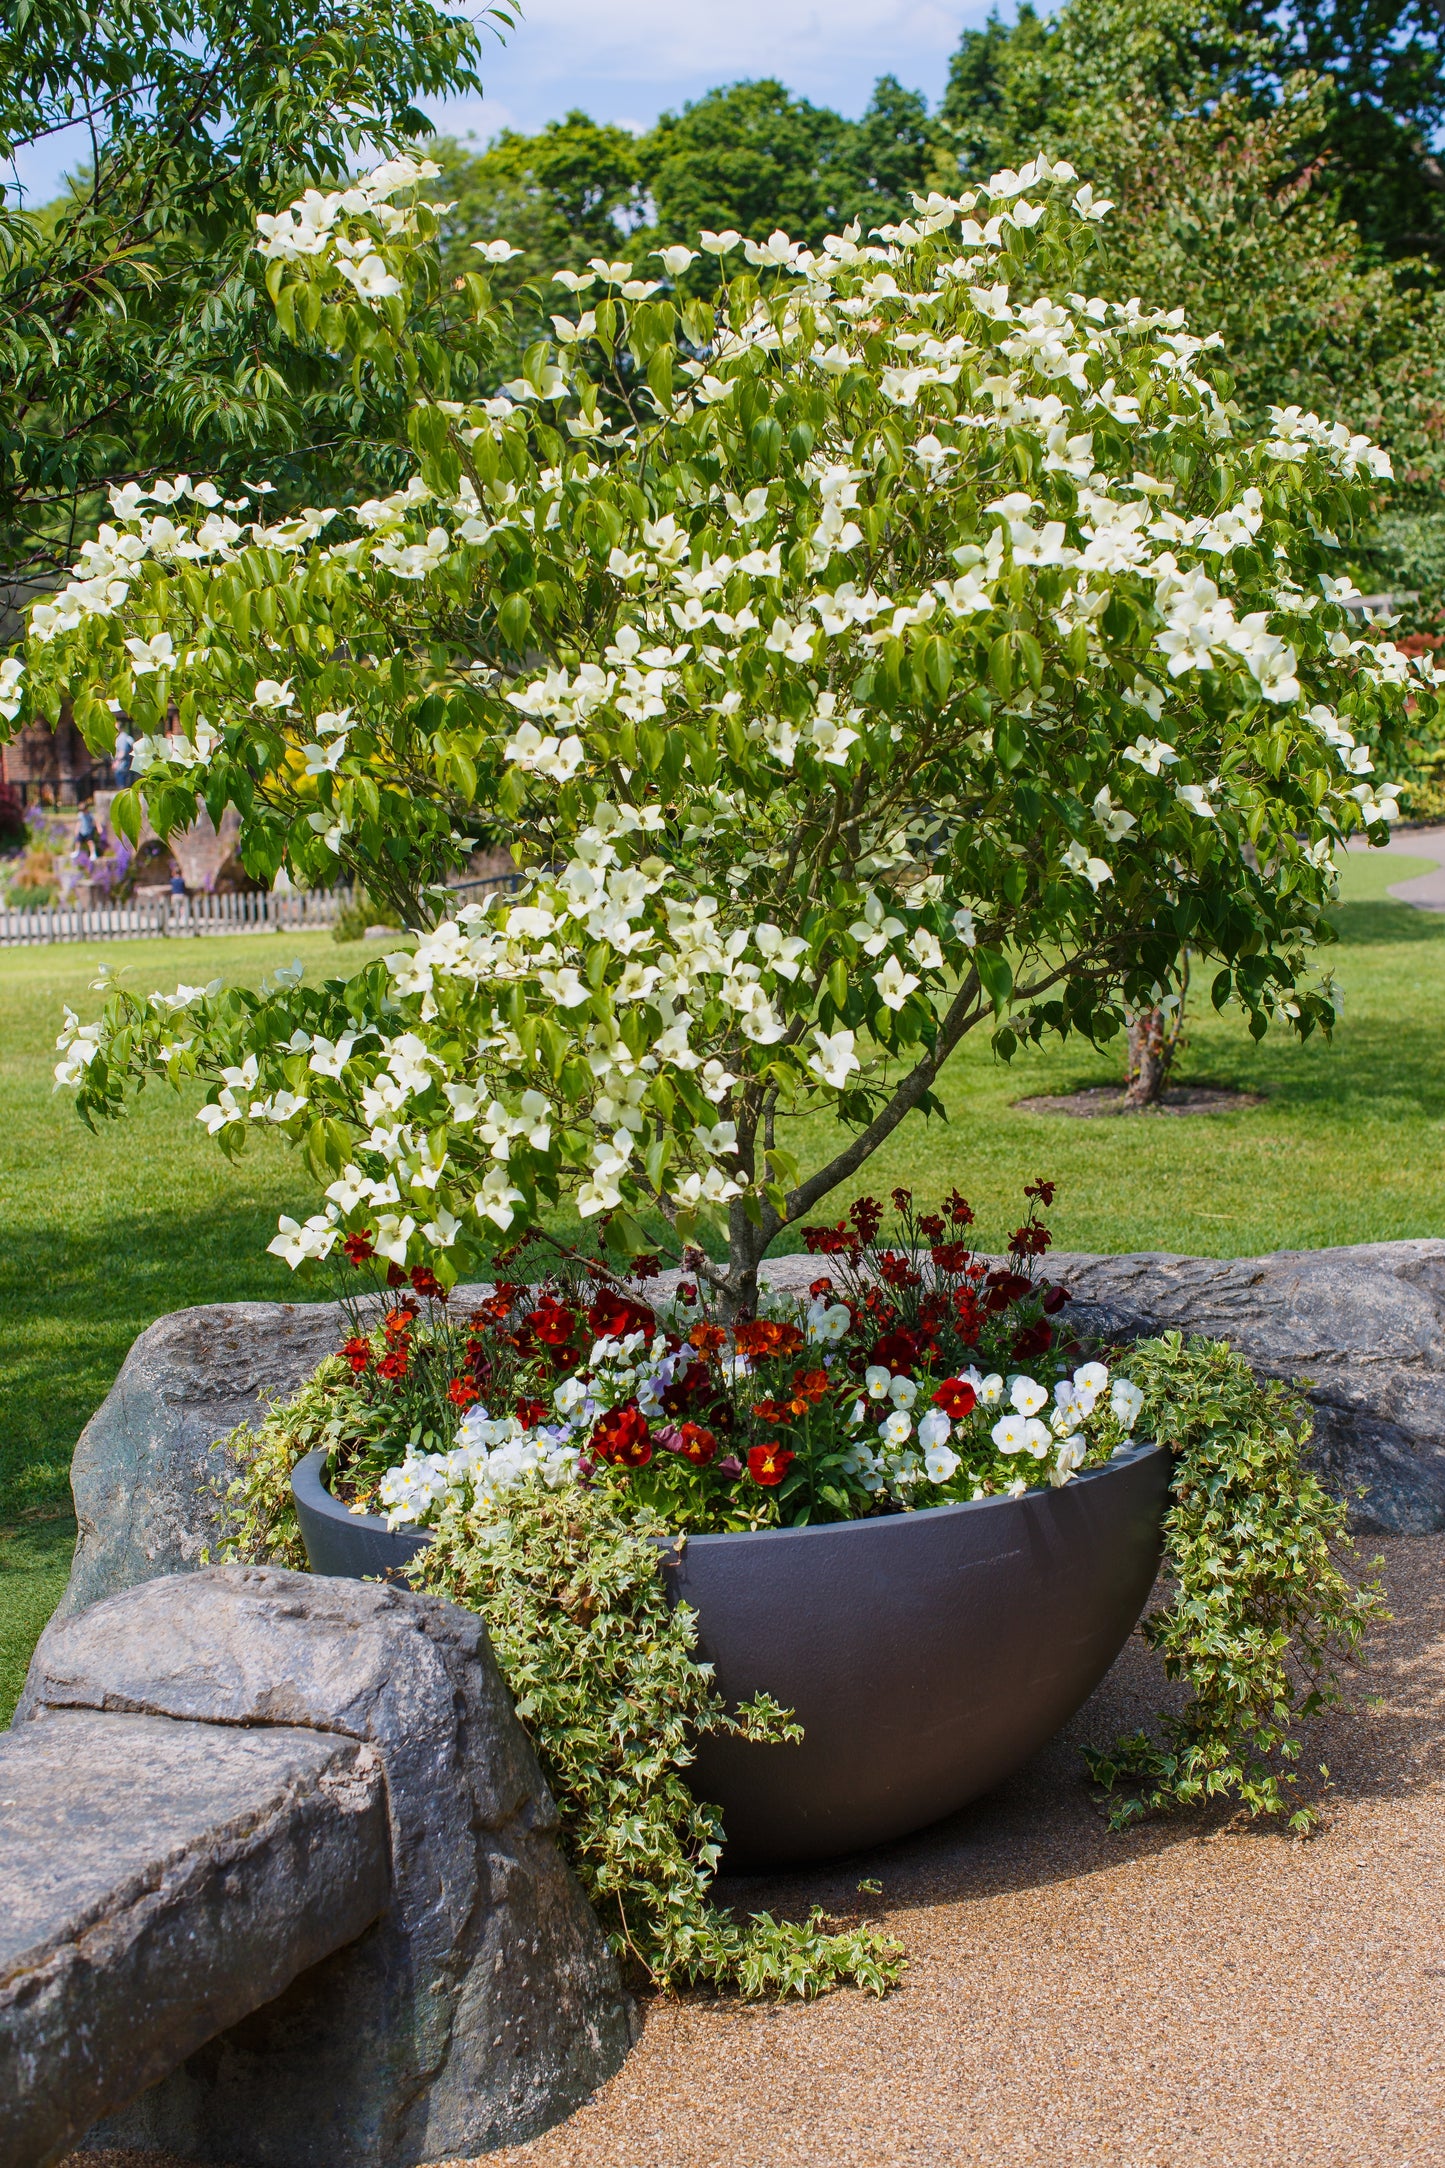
134,334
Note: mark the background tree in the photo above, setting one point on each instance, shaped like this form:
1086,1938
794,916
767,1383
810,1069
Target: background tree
133,330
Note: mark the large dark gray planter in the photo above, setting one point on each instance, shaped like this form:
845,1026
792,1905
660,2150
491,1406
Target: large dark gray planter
925,1654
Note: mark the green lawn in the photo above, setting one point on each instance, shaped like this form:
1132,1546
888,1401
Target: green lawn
99,1235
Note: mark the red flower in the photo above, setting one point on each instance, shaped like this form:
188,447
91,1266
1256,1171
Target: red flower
902,1200
1044,1191
1054,1299
396,1363
462,1392
950,1256
900,1350
817,1288
768,1464
1029,1241
398,1322
395,1277
425,1281
1004,1288
530,1413
613,1316
357,1351
1034,1340
959,1210
774,1411
622,1436
956,1397
810,1385
696,1444
866,1213
707,1339
552,1322
358,1247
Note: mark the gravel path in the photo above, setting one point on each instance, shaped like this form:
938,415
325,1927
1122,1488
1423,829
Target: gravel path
1181,1996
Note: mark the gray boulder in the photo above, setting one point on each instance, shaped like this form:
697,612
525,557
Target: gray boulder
158,1881
483,2005
1365,1325
145,1478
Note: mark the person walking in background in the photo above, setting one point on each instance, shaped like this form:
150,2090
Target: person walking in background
121,772
87,836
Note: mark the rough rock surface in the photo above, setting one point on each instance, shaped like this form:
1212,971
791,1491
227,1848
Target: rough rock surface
157,1881
144,1473
146,1478
1365,1325
483,2005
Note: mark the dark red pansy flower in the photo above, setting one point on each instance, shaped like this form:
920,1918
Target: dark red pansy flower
359,1247
768,1464
530,1413
1054,1300
956,1397
395,1277
1033,1340
1002,1288
551,1322
613,1316
622,1436
900,1349
461,1392
357,1351
696,1444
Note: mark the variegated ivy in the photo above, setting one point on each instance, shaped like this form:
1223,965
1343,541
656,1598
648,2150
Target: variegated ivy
899,641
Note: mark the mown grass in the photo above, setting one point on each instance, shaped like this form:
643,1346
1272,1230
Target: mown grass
101,1234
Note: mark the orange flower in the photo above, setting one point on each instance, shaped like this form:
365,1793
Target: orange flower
768,1464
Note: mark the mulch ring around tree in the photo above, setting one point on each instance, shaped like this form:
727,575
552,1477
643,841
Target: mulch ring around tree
1108,1099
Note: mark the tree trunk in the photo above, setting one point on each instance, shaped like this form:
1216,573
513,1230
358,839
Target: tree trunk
1152,1046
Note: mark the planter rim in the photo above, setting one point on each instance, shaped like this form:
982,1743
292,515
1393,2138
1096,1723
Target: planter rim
307,1475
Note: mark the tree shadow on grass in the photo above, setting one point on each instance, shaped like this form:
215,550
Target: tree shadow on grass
1386,921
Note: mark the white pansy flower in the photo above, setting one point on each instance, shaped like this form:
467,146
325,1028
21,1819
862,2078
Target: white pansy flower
876,1380
902,1392
940,1462
1125,1399
1027,1395
896,1429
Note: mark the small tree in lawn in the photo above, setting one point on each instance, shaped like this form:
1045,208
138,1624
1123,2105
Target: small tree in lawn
898,644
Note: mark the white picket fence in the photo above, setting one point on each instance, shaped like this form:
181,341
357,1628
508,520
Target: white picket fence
181,917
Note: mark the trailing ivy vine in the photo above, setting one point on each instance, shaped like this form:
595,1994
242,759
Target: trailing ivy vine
1263,1612
608,1684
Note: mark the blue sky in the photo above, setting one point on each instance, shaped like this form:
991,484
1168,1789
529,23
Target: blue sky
627,60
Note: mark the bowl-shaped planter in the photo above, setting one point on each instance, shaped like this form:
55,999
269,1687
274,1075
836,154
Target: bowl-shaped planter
925,1654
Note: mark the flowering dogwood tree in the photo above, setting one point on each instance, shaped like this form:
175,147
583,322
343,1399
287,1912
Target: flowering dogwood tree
900,642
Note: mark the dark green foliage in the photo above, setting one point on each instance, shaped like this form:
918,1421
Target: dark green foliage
753,157
1264,1613
135,336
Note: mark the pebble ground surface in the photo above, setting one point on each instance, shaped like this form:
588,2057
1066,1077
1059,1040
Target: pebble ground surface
1188,1994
